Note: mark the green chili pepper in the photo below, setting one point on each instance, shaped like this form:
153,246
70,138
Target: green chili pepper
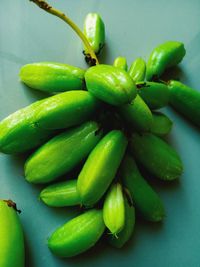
145,199
164,56
120,62
161,124
52,76
94,30
110,84
137,70
61,194
11,236
185,100
156,156
123,237
62,153
137,115
114,210
155,95
78,234
31,126
101,167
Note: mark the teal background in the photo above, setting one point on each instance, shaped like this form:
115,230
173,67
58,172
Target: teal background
133,28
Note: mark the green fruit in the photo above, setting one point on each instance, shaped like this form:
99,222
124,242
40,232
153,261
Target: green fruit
11,236
156,156
31,126
155,95
137,70
114,210
110,84
137,115
61,194
52,77
101,167
78,234
127,231
120,62
185,100
164,56
145,199
62,153
94,30
161,124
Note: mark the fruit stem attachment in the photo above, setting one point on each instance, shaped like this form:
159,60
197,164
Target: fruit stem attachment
45,6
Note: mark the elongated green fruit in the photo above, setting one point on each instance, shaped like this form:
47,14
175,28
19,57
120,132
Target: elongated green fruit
185,100
101,166
62,153
114,209
145,199
156,156
137,70
94,30
161,124
127,231
61,194
155,95
120,62
78,234
52,76
137,114
110,84
11,236
32,125
163,57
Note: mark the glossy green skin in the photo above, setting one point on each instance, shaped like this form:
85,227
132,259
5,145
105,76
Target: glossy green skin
95,176
52,77
120,62
145,199
11,237
185,100
66,110
78,234
114,209
19,132
155,95
164,56
61,194
124,236
137,70
32,126
94,30
161,125
62,153
156,156
137,114
110,84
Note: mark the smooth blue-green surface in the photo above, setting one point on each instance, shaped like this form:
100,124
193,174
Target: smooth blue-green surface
133,29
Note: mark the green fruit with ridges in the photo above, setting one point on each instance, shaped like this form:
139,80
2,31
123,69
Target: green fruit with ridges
124,236
156,156
137,70
52,77
185,100
95,176
114,210
62,153
164,56
155,95
61,194
120,62
11,236
78,234
110,84
145,199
